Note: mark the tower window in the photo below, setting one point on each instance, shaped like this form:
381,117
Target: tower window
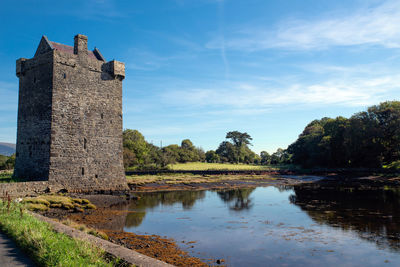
84,143
65,75
102,116
83,171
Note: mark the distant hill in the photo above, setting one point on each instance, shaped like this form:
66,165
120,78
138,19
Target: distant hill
7,149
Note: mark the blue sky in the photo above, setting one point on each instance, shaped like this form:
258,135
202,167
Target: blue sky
199,68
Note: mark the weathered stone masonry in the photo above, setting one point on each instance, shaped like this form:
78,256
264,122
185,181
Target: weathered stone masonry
70,117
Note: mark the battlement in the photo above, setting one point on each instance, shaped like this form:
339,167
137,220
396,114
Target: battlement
72,56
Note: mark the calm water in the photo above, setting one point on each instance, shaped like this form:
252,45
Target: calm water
270,226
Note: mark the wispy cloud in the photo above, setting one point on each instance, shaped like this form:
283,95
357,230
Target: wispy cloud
221,18
371,25
143,59
254,96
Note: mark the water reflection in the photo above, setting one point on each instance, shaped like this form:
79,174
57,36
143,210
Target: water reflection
374,214
237,199
274,225
151,200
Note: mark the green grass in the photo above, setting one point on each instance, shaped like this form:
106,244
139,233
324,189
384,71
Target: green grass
6,177
45,246
201,166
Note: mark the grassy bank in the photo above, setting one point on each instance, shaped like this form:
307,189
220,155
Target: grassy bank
46,247
174,178
202,166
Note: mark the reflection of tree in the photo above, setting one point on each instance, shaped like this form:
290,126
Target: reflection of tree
284,188
237,199
373,213
151,200
134,219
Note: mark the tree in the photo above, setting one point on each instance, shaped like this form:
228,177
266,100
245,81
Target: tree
227,152
188,152
265,158
135,142
171,153
187,145
129,158
212,157
240,149
239,138
386,115
200,154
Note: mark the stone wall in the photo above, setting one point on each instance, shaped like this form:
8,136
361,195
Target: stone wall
24,188
34,117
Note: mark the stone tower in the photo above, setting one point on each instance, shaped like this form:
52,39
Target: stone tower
70,117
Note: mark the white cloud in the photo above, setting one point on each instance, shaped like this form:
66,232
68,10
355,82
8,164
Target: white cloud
256,97
372,25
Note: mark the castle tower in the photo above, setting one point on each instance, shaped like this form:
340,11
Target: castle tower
70,117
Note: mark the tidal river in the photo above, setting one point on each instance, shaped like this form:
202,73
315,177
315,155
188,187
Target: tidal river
276,226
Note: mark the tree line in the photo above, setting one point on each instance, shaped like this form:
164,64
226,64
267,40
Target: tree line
138,153
367,139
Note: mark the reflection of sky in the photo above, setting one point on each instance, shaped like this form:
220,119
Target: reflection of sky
272,232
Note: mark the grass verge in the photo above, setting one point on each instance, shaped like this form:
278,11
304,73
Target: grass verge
45,246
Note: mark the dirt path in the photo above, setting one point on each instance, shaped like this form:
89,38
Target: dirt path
11,255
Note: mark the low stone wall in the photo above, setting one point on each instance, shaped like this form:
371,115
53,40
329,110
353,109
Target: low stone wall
22,189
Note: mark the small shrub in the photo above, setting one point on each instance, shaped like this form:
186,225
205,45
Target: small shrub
77,200
36,200
36,207
68,206
90,206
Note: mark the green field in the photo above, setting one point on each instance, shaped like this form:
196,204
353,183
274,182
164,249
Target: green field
202,166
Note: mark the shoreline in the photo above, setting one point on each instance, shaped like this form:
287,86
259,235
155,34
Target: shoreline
105,218
167,250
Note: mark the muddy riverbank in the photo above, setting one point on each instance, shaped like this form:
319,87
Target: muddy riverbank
109,218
